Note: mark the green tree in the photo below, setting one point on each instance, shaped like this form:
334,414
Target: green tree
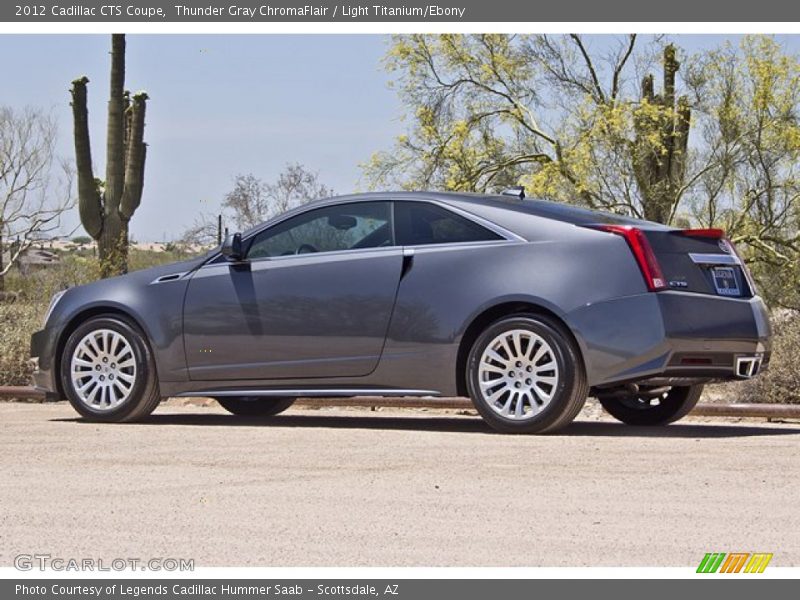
748,132
107,207
81,240
575,124
494,110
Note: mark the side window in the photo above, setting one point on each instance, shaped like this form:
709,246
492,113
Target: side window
418,223
340,227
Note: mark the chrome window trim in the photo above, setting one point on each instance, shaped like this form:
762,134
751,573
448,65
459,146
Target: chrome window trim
401,250
332,253
508,236
456,245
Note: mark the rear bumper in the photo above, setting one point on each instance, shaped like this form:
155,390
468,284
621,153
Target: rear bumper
673,335
716,337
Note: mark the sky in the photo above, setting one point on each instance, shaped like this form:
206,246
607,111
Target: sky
221,105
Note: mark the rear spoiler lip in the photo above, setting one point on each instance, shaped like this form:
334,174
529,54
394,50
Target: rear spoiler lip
712,233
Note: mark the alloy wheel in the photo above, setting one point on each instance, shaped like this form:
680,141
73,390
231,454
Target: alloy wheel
103,369
518,374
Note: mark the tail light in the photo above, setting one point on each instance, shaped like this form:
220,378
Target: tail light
642,252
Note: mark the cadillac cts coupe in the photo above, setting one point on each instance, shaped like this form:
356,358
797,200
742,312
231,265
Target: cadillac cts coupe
525,306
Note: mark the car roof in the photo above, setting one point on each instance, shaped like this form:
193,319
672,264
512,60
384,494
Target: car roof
487,205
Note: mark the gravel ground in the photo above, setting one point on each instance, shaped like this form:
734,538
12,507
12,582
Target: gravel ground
353,487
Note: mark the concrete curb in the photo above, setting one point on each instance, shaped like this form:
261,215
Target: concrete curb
767,411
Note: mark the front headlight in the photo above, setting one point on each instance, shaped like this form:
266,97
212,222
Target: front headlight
53,301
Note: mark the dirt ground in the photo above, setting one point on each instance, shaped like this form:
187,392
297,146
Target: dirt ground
353,487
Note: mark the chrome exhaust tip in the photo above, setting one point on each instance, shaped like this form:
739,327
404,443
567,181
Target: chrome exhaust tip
747,366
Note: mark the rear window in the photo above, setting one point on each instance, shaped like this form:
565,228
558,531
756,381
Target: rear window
419,223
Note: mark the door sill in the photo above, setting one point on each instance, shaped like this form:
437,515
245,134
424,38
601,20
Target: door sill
310,393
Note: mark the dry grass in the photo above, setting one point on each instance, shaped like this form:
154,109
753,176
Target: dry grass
19,321
780,383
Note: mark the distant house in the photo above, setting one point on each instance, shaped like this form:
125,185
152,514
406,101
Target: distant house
33,259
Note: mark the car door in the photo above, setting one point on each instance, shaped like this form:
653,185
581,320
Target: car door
313,298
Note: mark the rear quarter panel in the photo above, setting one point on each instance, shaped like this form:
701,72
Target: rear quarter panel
563,269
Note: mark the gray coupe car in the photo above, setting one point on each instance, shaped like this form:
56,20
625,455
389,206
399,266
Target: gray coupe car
526,306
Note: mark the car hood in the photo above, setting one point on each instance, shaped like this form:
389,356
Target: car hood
141,277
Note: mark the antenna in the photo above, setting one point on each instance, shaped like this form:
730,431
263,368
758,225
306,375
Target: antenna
518,191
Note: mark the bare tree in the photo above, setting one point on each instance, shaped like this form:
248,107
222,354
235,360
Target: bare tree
253,201
203,233
33,194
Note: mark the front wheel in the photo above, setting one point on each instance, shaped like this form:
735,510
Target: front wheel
254,406
108,372
525,375
653,406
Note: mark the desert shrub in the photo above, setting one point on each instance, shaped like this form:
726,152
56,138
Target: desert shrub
19,320
78,267
143,259
780,383
40,284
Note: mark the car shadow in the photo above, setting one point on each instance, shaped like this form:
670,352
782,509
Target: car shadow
458,424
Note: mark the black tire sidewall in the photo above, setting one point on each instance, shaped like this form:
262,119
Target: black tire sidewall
142,358
254,406
679,402
566,358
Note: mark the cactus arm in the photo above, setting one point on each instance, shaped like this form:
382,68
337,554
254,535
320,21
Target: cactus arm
135,157
90,205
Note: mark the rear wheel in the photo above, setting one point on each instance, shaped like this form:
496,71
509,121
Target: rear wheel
653,406
525,375
255,406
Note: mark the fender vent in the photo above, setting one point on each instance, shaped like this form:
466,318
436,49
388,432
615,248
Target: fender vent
165,278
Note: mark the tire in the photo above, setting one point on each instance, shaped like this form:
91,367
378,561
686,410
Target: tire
527,395
643,409
255,406
107,371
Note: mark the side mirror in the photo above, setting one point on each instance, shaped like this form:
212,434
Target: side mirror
232,247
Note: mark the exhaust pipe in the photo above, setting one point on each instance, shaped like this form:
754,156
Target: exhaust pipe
747,366
625,390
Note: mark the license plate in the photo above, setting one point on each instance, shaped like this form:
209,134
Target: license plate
725,281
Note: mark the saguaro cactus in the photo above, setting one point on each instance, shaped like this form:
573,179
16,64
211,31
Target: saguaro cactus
107,207
659,150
